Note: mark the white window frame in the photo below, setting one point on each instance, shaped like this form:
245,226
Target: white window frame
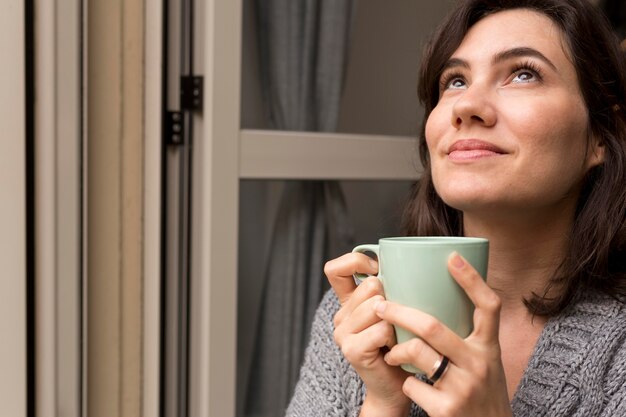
268,154
224,154
152,209
58,242
13,210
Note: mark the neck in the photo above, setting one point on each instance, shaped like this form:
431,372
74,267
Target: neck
524,253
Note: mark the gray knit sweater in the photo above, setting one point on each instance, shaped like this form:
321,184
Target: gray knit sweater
578,367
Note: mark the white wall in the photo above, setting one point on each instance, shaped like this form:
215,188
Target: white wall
380,95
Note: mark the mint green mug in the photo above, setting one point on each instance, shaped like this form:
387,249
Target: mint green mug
414,272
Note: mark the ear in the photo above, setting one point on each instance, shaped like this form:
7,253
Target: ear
595,153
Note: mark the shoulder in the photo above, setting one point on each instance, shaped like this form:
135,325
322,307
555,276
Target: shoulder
595,316
579,363
328,385
329,304
322,328
598,323
323,325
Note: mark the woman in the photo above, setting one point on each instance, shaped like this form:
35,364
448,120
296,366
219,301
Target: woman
524,143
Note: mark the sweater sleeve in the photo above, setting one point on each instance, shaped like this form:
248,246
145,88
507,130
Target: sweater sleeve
617,404
328,386
615,382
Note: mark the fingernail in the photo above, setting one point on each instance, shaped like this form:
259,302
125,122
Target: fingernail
373,263
457,261
380,306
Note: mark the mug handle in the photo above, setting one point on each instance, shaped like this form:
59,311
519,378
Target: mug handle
358,278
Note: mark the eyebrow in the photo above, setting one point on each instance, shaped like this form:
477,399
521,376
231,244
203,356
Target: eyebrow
523,51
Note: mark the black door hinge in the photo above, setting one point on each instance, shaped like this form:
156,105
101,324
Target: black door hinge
174,128
191,92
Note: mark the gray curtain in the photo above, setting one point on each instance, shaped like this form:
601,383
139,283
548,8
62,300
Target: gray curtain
303,48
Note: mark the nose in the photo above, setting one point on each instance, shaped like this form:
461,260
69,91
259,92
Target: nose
474,106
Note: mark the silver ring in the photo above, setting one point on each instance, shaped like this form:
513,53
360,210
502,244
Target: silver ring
439,368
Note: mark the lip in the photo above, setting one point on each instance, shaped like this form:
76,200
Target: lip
471,149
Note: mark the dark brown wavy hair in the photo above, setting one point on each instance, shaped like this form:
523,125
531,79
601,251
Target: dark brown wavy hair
596,253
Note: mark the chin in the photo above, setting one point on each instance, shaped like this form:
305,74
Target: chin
466,205
468,198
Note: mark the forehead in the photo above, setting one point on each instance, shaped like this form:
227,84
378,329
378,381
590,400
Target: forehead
511,29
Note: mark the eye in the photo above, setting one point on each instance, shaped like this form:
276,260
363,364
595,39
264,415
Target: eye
452,81
526,72
524,76
456,84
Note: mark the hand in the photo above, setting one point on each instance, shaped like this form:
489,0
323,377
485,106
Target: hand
362,335
474,383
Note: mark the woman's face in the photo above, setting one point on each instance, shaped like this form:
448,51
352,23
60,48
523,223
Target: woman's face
510,129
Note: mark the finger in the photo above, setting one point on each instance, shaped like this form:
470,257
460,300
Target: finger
340,271
433,401
348,320
368,289
364,347
415,352
364,316
486,301
427,327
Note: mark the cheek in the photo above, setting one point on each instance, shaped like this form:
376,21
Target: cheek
437,125
551,136
434,129
428,132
